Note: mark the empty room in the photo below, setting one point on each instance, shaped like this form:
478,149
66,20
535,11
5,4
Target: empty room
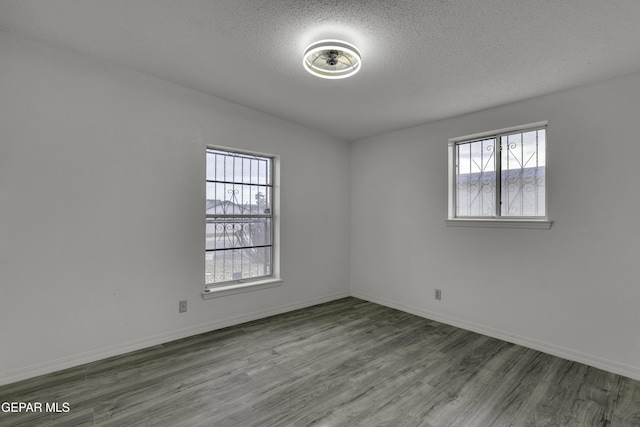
330,213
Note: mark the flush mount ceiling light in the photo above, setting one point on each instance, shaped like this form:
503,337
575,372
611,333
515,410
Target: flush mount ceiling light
332,59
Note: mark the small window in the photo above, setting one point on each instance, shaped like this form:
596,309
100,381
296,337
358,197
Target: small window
499,175
239,217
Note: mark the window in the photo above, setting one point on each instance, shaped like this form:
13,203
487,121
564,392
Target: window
239,218
499,177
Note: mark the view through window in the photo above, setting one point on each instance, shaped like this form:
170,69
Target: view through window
239,227
501,175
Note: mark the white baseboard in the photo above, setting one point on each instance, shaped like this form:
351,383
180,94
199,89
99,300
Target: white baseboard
116,350
565,353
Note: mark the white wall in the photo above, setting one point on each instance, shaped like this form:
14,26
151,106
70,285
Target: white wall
573,290
102,210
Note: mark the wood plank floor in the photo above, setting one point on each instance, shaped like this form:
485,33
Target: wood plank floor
344,363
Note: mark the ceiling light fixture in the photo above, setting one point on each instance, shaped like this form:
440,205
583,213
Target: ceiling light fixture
332,59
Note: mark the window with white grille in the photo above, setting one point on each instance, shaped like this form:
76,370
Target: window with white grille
239,217
499,175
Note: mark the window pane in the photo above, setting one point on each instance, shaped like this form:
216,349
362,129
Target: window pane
237,232
238,168
238,199
523,174
475,178
236,264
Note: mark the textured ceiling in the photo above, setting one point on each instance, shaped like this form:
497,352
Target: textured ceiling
422,60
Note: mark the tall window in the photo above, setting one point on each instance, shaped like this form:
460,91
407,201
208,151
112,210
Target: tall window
499,176
239,229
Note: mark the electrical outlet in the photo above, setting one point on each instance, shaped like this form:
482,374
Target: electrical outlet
438,294
182,306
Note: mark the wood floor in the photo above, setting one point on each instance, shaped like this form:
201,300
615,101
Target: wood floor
344,363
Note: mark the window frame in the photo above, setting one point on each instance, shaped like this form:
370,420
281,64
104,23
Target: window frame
496,221
235,286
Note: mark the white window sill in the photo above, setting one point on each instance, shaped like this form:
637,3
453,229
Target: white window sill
240,288
539,224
